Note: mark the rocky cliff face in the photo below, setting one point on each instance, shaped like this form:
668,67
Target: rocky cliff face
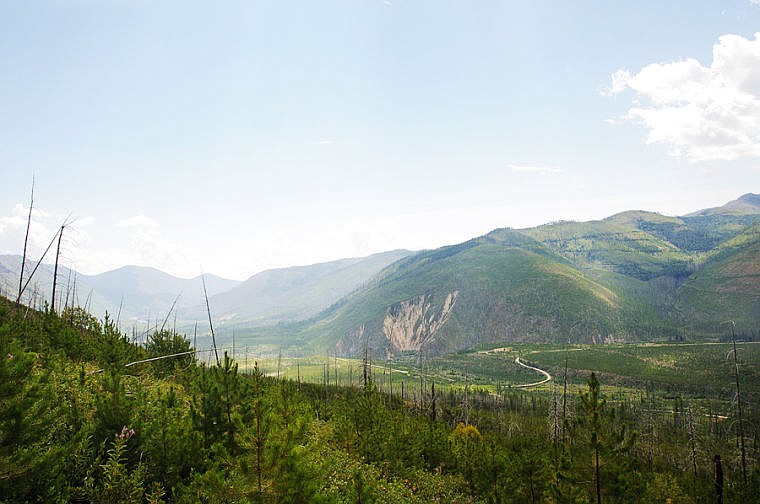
406,326
352,343
410,324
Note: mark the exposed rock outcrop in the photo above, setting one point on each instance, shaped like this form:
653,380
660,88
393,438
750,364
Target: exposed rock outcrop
410,324
352,343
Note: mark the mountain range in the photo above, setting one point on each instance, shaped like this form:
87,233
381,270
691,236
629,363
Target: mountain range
634,276
145,296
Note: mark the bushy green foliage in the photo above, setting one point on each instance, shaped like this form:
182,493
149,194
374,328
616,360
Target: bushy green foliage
116,483
165,343
91,429
30,453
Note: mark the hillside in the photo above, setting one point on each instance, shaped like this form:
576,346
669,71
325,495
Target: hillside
137,294
726,287
746,204
630,277
142,295
89,415
73,288
297,293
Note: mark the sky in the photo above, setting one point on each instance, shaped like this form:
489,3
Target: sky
237,136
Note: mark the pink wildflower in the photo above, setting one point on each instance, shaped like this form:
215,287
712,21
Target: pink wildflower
126,433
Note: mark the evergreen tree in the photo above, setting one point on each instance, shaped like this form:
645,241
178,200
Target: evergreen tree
604,441
29,452
165,343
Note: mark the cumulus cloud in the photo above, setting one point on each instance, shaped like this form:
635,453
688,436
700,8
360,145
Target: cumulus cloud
702,113
13,231
543,170
148,246
93,245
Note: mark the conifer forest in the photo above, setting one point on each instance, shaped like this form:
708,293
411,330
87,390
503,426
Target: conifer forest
89,414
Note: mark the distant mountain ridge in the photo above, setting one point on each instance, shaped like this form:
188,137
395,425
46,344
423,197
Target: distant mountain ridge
142,295
747,203
295,293
134,294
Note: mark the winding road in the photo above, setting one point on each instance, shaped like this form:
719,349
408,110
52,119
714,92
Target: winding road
547,376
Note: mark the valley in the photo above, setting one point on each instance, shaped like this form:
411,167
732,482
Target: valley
477,372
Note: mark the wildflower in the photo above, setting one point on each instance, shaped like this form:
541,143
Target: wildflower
126,433
10,356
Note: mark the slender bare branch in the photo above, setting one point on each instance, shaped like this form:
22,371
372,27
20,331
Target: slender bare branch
166,319
210,324
31,275
55,270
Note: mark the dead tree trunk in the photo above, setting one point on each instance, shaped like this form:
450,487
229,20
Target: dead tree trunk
739,403
26,241
211,325
718,480
55,270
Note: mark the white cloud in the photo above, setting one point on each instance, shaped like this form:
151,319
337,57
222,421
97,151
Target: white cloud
536,169
92,246
138,221
148,246
701,113
13,231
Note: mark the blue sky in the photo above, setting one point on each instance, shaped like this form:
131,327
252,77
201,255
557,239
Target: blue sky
233,137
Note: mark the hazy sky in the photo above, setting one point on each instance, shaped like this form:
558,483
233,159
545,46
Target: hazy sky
237,136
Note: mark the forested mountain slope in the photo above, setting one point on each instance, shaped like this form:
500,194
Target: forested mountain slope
633,276
296,293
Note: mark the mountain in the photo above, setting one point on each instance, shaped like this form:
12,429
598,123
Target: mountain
142,295
633,276
636,275
134,294
72,287
148,293
746,204
725,288
297,293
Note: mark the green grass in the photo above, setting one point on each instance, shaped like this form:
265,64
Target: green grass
697,370
695,367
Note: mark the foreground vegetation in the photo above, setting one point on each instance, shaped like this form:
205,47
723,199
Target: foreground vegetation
86,416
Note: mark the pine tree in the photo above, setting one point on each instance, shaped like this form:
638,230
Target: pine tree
28,450
605,441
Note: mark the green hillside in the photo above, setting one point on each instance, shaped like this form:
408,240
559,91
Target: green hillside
297,293
725,288
614,244
505,286
634,276
90,415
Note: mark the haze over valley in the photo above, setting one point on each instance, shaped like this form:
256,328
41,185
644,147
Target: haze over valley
633,276
396,251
